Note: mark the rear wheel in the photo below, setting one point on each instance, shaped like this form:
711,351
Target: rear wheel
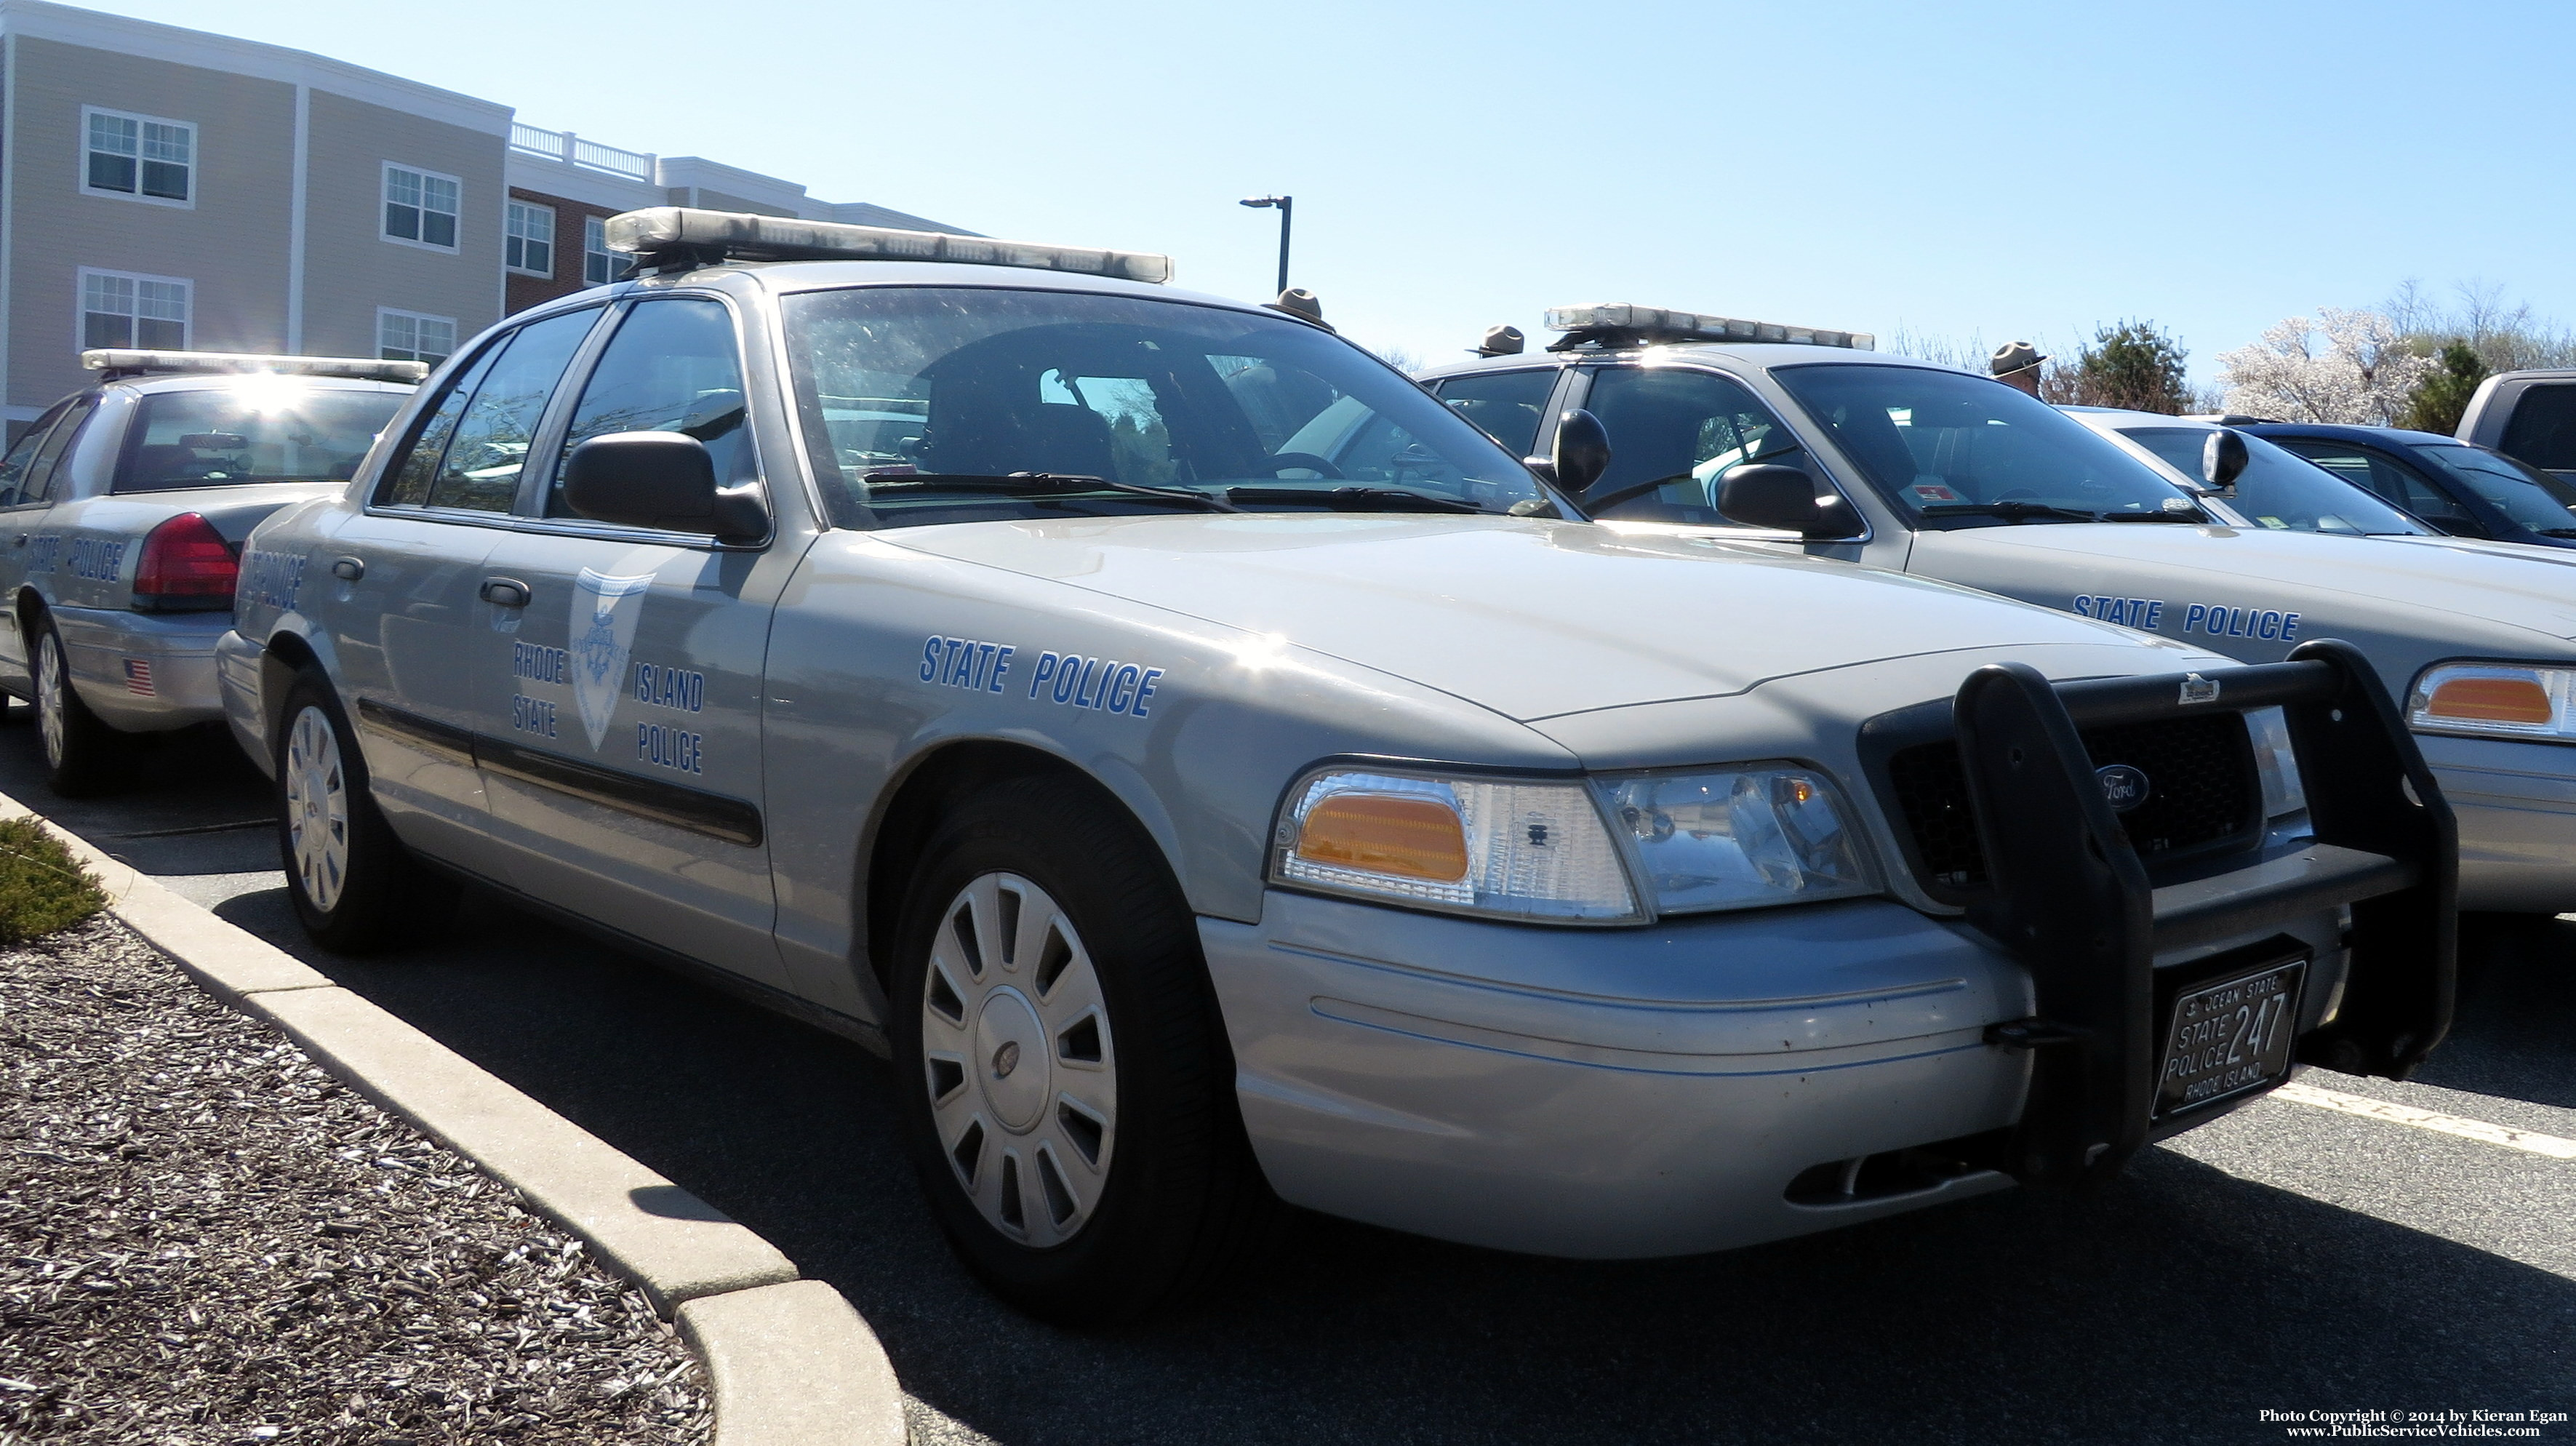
83,756
354,884
1067,1089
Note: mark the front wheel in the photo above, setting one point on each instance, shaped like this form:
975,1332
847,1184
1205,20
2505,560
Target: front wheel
82,754
354,885
1066,1085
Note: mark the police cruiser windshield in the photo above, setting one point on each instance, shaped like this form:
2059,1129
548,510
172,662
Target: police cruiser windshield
2280,490
932,404
1959,451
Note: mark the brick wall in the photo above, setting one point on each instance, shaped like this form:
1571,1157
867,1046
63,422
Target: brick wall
524,291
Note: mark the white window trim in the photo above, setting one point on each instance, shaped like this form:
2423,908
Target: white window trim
384,175
80,304
615,260
385,311
551,248
80,160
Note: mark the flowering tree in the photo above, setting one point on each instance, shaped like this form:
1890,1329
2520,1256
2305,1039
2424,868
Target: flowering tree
2343,366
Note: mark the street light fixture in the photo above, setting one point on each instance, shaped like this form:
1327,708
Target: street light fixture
1285,204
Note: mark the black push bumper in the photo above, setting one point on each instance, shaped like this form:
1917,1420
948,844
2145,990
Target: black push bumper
2071,899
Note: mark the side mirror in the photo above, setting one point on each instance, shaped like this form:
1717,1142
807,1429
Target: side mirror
2222,457
1581,452
660,479
1784,499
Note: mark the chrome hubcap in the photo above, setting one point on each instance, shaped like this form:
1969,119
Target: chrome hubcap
317,809
49,697
1022,1077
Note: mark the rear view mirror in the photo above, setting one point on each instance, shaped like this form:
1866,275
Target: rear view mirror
1784,499
664,480
1581,452
2222,457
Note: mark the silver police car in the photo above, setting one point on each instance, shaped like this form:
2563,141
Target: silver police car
122,513
1716,427
1217,775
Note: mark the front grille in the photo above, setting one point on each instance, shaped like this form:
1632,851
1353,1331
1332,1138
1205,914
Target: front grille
2202,792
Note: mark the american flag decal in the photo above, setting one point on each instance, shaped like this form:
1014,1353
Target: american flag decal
138,677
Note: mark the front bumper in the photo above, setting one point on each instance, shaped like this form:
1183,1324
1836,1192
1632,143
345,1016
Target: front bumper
1630,1092
2517,810
144,672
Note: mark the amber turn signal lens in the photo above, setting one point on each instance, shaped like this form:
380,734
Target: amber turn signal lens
2491,700
1412,838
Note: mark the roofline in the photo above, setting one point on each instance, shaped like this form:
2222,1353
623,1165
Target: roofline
207,50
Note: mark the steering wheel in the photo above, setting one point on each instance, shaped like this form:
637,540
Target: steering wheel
1282,461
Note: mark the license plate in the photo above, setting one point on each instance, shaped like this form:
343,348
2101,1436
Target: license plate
2230,1037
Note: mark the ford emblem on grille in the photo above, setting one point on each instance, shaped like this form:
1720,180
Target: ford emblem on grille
2123,787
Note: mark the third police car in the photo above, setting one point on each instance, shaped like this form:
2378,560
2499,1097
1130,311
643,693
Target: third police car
1724,428
1214,769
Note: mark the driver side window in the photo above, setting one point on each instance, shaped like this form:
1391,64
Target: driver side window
672,367
1681,428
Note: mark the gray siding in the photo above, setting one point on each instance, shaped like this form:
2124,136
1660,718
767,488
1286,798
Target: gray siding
232,244
350,269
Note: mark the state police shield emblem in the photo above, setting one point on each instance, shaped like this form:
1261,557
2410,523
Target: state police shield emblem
605,611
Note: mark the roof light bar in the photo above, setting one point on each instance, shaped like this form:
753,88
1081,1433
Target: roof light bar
115,362
1621,324
677,234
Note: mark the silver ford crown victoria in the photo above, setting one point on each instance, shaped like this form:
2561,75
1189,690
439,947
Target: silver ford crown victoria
1802,439
1219,775
122,514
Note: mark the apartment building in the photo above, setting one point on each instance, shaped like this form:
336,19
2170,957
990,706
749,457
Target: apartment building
166,187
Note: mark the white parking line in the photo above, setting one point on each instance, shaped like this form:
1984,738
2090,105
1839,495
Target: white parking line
2531,1140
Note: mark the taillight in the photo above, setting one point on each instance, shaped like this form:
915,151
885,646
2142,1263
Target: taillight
185,559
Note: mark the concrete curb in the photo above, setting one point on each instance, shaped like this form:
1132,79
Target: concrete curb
787,1359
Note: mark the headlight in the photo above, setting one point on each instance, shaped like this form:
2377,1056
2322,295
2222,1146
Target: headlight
1739,837
2277,762
2494,700
1504,847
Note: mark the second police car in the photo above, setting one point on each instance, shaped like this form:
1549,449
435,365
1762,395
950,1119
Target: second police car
122,512
1723,428
1220,775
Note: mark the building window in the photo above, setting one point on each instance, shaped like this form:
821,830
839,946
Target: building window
420,207
120,309
138,157
410,336
530,245
599,265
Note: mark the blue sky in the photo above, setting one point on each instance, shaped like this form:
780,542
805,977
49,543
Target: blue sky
2004,169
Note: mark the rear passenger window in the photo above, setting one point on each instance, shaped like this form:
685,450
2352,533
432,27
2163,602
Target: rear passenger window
671,367
470,451
37,485
2542,430
2391,479
22,457
1509,407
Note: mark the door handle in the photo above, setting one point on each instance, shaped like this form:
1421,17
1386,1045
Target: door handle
349,569
505,592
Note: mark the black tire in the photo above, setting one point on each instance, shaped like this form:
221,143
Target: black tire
361,895
83,756
1180,1197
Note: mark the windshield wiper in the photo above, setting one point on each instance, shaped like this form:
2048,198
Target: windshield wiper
2556,531
1353,499
1038,484
2012,511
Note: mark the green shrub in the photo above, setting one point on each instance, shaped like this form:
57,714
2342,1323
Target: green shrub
42,887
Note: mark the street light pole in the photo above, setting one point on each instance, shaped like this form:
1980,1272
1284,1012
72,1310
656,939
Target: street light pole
1285,205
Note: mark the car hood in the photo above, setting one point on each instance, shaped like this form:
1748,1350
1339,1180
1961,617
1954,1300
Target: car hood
1532,618
2487,584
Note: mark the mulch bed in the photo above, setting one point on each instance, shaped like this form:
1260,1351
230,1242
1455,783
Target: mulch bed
206,1239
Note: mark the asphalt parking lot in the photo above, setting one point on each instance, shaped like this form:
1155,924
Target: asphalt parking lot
2288,1258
